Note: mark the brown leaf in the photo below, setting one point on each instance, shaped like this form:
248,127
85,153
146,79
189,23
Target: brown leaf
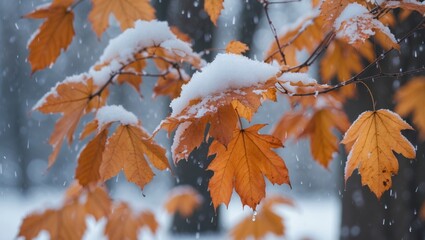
323,142
243,165
220,111
342,60
132,75
125,11
213,8
372,138
123,224
183,200
405,5
73,99
409,101
126,149
236,47
54,35
90,159
264,222
66,223
98,204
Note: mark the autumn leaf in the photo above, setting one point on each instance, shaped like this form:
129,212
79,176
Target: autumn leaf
323,142
263,222
123,224
330,10
243,165
341,61
127,149
66,223
183,200
409,101
170,84
291,124
305,35
221,111
53,36
131,74
98,204
69,221
125,11
357,28
213,8
405,5
73,98
90,159
236,47
372,138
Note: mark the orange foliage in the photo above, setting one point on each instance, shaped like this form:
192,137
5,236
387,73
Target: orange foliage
371,140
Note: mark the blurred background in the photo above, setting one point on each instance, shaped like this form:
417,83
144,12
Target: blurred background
325,208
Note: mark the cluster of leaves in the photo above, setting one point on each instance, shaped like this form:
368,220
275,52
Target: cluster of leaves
243,156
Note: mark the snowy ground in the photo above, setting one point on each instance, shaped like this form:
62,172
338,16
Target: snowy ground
311,218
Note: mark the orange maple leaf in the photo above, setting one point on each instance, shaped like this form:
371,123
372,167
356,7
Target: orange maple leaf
131,74
405,5
54,35
372,138
73,98
90,159
357,29
125,11
409,101
319,128
306,35
341,60
236,47
123,224
331,10
263,222
213,8
183,200
126,149
243,165
69,221
220,110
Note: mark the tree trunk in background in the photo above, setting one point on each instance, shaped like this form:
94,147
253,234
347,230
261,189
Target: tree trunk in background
395,215
193,171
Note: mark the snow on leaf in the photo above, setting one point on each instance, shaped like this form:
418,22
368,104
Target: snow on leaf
213,8
125,11
243,165
355,24
53,36
371,139
264,222
183,200
236,47
410,99
412,5
305,34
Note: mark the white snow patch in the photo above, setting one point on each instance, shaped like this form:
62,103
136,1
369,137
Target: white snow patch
297,78
115,113
352,10
226,71
144,34
178,137
101,77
